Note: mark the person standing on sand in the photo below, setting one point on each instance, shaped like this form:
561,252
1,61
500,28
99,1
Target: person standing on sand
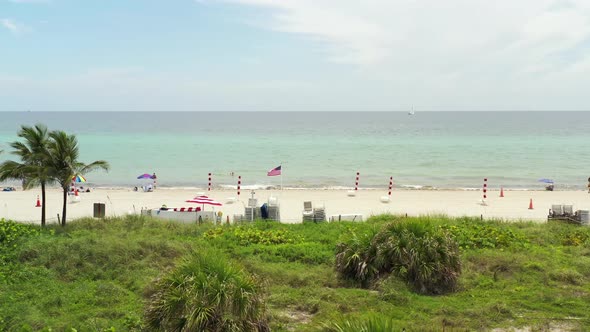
589,185
154,177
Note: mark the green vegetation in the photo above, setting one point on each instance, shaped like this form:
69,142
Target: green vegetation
118,274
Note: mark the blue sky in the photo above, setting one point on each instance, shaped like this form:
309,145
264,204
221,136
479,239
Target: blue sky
286,55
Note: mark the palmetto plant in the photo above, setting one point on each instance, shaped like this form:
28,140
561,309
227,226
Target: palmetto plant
34,157
64,164
373,323
426,257
356,258
206,293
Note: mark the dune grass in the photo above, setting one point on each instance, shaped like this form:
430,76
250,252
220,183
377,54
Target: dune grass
98,275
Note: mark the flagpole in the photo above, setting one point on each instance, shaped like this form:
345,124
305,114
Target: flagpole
281,177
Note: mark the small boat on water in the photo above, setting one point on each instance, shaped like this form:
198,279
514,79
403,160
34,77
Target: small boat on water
411,112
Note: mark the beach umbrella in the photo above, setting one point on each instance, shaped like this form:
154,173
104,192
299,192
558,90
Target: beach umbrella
204,200
546,180
145,176
79,178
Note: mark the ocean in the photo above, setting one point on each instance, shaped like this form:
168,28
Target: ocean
439,150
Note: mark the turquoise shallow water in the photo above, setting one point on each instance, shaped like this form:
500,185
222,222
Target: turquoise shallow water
325,149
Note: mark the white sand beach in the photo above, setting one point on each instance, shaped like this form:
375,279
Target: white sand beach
20,205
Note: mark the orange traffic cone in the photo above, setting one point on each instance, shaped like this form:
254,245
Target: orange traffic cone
38,202
501,192
531,204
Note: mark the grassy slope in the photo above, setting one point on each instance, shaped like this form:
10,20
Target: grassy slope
94,275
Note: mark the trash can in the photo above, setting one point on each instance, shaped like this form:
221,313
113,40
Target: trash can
99,210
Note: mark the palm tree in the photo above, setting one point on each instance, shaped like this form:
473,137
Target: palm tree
34,157
64,164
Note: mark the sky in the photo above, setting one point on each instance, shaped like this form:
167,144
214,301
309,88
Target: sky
294,55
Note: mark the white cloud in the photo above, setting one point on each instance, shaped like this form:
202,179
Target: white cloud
446,32
9,24
454,54
13,26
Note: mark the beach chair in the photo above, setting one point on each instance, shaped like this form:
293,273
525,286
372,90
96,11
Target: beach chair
182,209
319,214
557,210
190,209
568,210
307,211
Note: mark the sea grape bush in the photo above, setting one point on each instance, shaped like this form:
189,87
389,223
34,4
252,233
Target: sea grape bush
11,231
579,237
245,235
478,235
248,235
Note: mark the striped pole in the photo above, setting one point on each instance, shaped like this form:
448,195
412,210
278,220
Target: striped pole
356,184
239,183
485,189
209,186
390,185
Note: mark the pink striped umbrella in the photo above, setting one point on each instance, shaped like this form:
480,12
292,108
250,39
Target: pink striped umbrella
204,200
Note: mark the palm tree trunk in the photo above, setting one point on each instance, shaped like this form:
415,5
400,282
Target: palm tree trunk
43,204
63,216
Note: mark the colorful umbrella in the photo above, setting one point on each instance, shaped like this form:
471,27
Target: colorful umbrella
79,178
204,200
145,176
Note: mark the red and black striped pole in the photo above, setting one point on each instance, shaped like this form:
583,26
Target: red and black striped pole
239,183
390,185
209,186
356,184
485,189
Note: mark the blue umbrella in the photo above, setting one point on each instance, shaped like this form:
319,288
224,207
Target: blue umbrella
546,180
145,176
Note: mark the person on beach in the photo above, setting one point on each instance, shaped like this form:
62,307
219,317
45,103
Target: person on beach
154,177
589,185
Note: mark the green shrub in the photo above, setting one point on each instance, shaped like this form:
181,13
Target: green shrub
247,235
206,293
424,256
475,234
356,258
11,231
578,237
373,323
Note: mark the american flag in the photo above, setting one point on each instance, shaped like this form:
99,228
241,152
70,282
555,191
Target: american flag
275,171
